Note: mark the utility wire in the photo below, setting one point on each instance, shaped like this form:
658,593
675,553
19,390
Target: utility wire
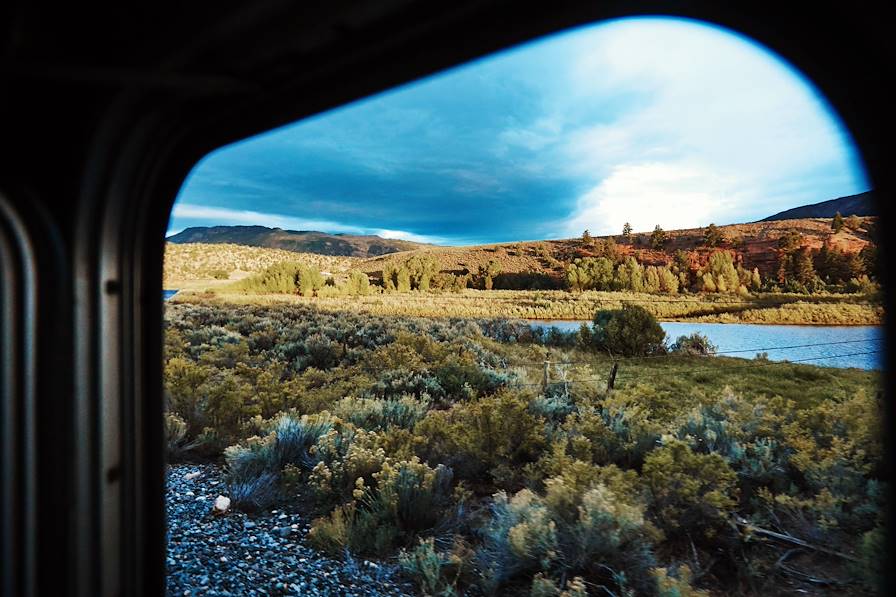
667,355
716,368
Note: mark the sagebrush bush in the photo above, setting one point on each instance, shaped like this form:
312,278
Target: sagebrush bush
405,499
594,532
689,490
494,436
438,573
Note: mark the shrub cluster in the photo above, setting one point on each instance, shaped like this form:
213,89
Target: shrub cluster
432,441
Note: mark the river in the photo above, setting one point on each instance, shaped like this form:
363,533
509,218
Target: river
828,346
167,294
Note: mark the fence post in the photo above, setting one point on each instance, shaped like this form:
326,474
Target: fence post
612,380
547,373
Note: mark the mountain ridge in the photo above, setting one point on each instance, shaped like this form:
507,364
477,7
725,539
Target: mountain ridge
860,204
299,241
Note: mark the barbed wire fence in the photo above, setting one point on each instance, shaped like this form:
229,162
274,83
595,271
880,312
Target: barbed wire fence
559,368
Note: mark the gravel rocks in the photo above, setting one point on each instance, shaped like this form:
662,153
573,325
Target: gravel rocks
264,554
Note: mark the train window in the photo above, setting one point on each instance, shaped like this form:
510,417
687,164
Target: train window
599,314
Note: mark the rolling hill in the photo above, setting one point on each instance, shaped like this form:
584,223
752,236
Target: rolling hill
300,241
753,245
860,205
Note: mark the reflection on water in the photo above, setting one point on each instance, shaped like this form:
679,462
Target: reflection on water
829,346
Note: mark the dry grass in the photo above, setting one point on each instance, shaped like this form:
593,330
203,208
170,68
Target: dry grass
553,304
193,265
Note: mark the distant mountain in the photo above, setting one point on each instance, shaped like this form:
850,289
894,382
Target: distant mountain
300,241
860,205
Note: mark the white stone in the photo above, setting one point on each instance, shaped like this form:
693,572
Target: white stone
222,504
192,475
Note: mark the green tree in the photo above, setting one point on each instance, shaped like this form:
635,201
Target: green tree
587,239
837,222
682,267
487,273
403,279
785,267
611,251
629,275
421,269
630,331
658,237
790,241
712,237
804,270
627,231
358,283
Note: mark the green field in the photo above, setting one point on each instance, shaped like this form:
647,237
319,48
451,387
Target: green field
833,309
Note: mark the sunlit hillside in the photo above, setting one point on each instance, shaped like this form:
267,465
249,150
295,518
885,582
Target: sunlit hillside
200,261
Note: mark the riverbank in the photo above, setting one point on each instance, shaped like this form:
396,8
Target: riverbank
778,309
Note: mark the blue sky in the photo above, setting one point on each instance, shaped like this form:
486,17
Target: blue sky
649,120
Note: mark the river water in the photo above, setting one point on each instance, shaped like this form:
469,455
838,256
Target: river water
828,346
167,294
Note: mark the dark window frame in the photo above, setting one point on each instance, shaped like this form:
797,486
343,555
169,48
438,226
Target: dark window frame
89,278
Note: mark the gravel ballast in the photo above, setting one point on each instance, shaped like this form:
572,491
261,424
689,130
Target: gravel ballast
265,553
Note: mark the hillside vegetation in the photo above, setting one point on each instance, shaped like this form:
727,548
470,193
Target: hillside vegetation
824,273
201,261
444,445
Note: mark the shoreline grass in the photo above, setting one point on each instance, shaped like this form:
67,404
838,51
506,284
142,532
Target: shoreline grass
770,309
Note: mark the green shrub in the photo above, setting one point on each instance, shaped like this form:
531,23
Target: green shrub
593,532
488,438
689,492
346,461
630,331
405,499
376,414
694,344
437,573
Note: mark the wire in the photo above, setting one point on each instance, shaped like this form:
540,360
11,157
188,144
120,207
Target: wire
659,356
715,368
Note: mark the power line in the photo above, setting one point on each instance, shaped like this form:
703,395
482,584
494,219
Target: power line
721,365
667,355
786,362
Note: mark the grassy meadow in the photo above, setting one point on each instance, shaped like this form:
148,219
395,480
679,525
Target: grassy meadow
845,309
440,445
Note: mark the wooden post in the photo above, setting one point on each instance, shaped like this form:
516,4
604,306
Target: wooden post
547,373
612,380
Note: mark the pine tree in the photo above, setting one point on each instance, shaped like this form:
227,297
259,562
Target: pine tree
712,237
803,268
627,231
837,222
611,252
587,239
658,237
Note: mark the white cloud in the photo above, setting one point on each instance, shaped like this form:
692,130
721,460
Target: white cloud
403,235
670,91
673,196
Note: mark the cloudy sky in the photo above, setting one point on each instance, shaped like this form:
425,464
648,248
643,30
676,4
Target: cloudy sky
650,121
